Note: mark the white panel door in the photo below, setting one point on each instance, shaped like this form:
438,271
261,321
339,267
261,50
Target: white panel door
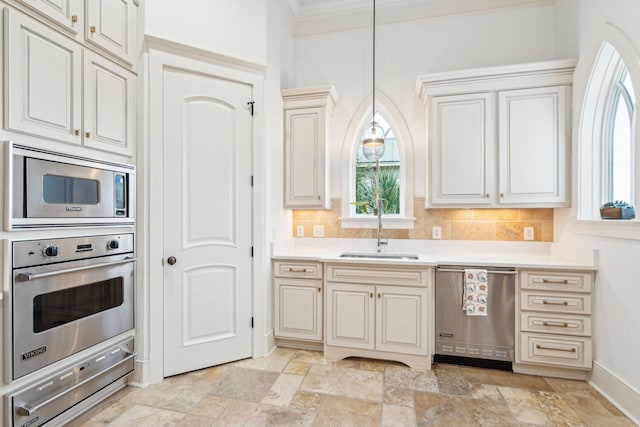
533,141
207,221
401,319
44,82
462,149
298,309
109,112
350,315
110,25
67,13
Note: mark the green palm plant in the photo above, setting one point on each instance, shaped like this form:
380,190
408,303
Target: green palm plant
389,179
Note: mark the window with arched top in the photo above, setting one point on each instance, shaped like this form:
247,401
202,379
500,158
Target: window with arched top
608,158
396,170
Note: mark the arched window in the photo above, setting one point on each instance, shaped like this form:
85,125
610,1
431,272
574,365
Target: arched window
607,132
396,170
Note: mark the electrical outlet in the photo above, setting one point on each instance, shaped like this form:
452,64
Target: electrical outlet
318,231
528,233
300,231
436,232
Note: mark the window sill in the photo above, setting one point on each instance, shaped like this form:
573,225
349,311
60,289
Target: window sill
388,222
611,228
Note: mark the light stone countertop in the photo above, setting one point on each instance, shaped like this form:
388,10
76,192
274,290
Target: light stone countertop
440,252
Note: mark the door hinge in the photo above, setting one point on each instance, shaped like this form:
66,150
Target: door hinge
252,180
250,104
251,251
252,323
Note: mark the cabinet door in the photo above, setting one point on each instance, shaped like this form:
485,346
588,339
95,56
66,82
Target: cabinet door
350,315
533,146
67,13
111,26
462,149
305,159
109,113
401,319
44,81
298,309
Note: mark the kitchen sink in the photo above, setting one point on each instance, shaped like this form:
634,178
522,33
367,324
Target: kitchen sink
377,255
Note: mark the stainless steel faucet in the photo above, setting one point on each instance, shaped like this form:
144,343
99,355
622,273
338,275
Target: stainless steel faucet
378,201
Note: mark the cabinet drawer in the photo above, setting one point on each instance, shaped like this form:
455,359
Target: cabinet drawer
555,324
556,303
560,281
556,350
387,275
312,270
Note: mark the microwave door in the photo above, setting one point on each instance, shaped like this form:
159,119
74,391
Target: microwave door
61,190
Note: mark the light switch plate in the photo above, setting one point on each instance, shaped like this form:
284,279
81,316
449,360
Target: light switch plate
300,231
318,231
436,232
528,233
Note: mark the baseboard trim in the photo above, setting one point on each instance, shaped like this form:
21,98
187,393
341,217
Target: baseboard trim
622,395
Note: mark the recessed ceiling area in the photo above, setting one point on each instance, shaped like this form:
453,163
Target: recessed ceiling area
322,16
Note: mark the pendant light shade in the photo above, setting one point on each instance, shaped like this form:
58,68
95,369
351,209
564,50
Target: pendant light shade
373,136
373,142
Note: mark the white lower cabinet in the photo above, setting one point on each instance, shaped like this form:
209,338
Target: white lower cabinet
385,321
554,323
298,300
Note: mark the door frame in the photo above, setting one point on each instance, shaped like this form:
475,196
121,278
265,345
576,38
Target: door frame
159,55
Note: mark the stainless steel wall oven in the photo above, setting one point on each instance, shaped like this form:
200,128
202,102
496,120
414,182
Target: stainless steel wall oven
67,295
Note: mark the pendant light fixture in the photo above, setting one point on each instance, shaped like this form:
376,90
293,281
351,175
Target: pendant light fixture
373,136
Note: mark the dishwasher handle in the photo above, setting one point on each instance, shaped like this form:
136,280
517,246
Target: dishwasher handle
459,270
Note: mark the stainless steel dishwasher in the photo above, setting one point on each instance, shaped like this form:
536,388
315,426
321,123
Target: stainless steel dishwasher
475,340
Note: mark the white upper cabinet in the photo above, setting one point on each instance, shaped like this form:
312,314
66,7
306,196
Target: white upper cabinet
462,150
109,111
108,25
67,13
306,132
111,26
499,136
44,81
533,144
59,91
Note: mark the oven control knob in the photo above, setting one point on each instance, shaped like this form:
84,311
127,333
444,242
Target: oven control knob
113,244
50,251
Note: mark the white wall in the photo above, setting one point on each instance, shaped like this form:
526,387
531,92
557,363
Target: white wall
409,49
232,28
617,293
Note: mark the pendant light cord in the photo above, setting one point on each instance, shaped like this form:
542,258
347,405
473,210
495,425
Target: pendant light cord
373,107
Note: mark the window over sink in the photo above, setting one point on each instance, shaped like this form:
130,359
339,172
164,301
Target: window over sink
396,169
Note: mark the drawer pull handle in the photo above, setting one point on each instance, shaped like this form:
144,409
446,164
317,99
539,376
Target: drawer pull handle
297,270
559,324
540,347
556,281
555,302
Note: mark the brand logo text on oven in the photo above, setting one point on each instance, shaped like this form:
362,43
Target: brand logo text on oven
33,353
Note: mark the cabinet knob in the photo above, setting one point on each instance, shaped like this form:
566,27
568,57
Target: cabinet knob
378,296
74,18
487,195
501,195
370,294
319,289
88,134
76,132
92,29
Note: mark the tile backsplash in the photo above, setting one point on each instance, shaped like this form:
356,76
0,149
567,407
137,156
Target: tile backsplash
456,224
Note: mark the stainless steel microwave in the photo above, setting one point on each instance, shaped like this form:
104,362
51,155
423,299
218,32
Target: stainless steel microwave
48,189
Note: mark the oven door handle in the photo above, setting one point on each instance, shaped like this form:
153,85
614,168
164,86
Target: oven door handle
27,409
25,277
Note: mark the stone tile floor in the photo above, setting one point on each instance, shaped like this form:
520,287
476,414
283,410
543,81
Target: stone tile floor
301,388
